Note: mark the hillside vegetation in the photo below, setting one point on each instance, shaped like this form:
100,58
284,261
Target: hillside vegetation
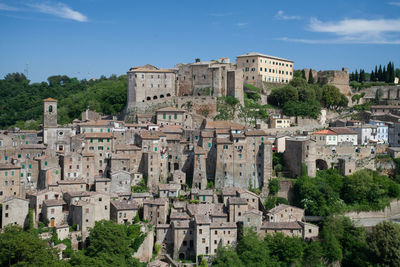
21,101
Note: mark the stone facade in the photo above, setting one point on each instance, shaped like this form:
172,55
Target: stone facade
15,211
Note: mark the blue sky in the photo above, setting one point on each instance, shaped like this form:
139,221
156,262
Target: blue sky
89,38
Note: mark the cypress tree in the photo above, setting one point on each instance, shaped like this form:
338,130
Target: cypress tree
385,75
380,74
356,76
303,74
376,73
371,77
352,76
310,77
392,74
362,76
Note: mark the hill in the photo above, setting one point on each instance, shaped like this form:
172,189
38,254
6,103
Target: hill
21,101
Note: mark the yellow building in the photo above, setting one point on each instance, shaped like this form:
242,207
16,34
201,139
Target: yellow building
280,123
258,68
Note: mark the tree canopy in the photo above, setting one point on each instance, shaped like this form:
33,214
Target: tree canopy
21,101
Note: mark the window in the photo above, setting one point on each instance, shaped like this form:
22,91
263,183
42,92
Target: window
201,232
203,240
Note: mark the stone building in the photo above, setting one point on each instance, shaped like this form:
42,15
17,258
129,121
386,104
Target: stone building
216,78
147,83
258,68
15,211
243,158
56,138
155,211
84,213
300,151
285,213
123,211
9,180
36,200
54,210
121,182
173,116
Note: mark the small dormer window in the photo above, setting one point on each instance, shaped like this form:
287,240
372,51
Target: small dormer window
50,109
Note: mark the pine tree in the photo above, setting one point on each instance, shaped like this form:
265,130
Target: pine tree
380,74
310,77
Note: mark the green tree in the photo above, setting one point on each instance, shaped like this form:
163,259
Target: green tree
332,98
252,251
274,186
310,77
226,256
384,244
104,251
20,248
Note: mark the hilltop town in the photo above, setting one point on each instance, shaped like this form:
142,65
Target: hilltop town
201,153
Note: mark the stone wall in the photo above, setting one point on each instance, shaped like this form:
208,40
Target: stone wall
392,210
197,104
286,190
145,251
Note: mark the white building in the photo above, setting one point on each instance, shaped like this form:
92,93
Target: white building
367,133
345,135
382,131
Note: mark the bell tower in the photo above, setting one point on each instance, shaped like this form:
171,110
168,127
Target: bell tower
49,113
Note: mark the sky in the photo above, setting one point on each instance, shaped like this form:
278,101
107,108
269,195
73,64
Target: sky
90,38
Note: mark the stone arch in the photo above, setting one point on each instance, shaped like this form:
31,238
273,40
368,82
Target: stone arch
148,98
321,164
161,96
168,95
155,97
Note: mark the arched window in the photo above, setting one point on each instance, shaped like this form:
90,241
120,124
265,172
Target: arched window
50,109
148,98
155,97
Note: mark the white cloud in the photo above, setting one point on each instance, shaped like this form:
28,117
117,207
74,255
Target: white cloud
394,3
241,24
351,27
281,15
59,10
339,41
354,31
7,7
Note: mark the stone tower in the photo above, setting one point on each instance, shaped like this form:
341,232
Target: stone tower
49,113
